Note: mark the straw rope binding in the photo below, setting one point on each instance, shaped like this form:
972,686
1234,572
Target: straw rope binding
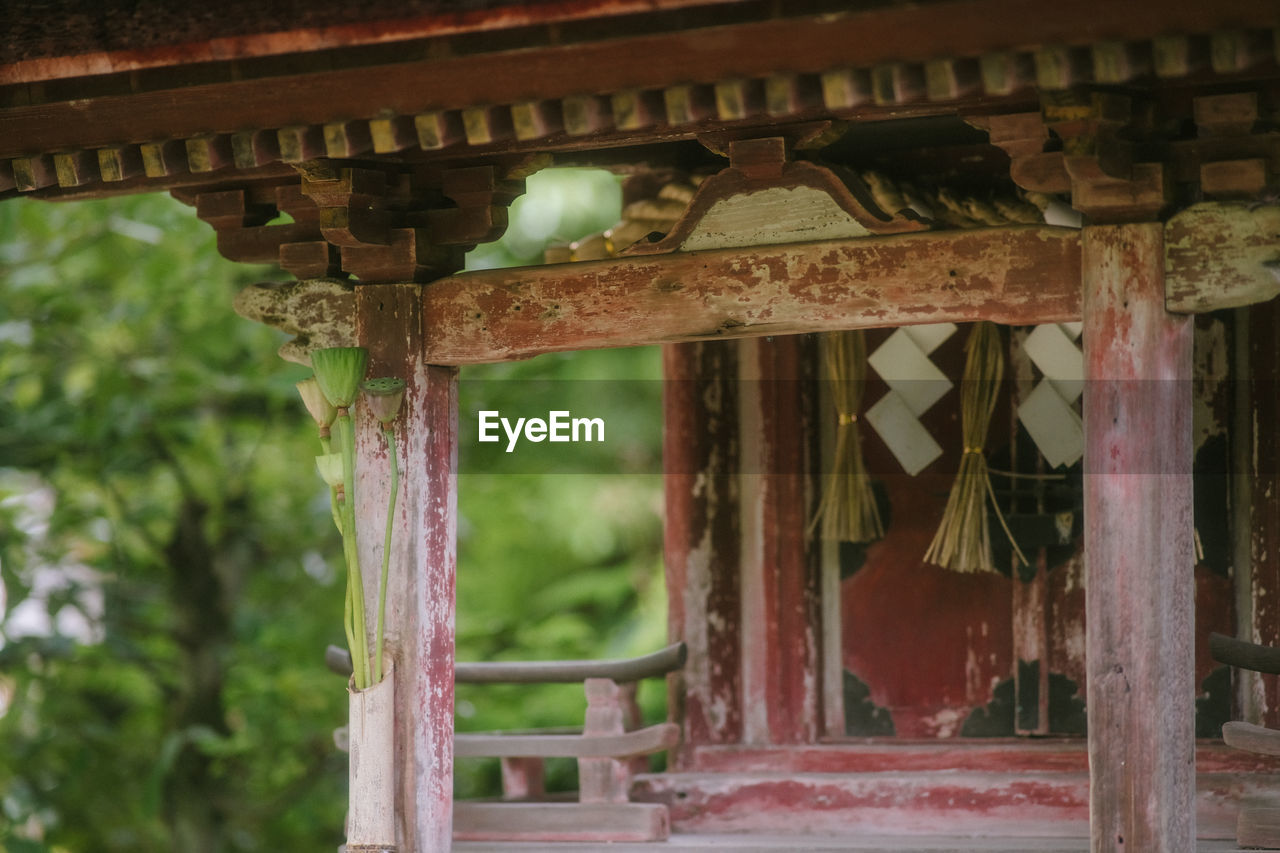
963,540
848,509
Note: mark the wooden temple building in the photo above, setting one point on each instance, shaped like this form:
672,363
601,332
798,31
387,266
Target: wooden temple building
1102,179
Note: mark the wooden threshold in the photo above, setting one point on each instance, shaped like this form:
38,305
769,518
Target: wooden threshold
757,843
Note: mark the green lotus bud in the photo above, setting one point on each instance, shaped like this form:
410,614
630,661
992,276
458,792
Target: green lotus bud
313,398
384,396
339,371
330,467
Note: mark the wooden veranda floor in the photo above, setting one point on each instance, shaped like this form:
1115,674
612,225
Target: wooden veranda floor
814,844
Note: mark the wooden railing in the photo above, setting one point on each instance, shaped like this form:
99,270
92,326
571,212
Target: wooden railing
606,750
1256,827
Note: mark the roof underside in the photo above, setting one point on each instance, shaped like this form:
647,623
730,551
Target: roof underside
118,97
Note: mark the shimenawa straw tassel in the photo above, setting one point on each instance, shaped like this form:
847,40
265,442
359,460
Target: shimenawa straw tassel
848,510
963,540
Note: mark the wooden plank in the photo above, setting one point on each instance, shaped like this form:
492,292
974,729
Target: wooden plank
1214,256
655,738
561,822
1259,827
780,678
1139,558
421,590
1017,275
701,539
1251,738
1245,655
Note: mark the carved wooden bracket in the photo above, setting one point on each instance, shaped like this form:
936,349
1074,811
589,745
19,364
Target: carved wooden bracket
1094,140
1221,255
380,224
764,198
318,312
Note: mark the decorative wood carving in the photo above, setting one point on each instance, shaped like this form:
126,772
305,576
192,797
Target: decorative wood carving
320,312
763,198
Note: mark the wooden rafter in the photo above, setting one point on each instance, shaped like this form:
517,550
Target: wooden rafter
927,59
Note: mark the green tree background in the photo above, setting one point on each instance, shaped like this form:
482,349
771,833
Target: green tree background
170,572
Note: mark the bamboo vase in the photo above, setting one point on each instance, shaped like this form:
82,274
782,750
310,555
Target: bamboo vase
371,816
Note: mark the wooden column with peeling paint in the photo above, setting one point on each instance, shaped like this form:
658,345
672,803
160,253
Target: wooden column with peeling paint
1138,547
421,590
781,681
700,455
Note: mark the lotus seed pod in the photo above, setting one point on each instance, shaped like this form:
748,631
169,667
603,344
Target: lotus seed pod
339,371
322,412
384,396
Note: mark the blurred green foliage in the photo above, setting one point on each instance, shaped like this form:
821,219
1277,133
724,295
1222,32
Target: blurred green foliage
170,570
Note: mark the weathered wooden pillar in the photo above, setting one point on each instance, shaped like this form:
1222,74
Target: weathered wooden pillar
781,681
1138,547
700,456
421,590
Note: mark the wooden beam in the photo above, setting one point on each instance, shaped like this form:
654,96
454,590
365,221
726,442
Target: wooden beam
1215,256
1018,275
701,539
1139,557
421,591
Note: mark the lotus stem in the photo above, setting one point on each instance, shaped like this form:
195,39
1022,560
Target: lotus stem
359,651
389,435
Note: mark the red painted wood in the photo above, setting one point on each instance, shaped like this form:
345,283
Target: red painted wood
421,593
1139,557
1049,755
1015,275
700,452
1263,470
961,802
930,644
780,575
